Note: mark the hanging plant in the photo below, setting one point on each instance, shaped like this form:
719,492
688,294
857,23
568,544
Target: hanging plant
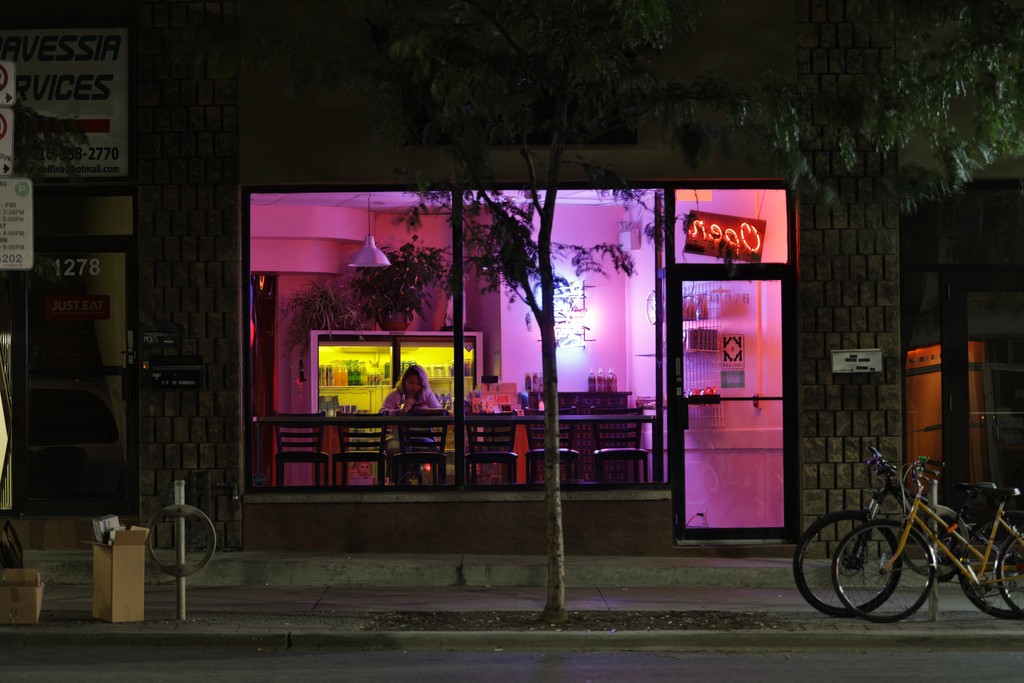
328,305
406,286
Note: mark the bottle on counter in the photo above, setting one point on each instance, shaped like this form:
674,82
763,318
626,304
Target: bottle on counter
611,381
591,381
527,383
602,384
536,382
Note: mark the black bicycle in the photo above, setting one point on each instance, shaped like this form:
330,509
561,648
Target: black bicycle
817,545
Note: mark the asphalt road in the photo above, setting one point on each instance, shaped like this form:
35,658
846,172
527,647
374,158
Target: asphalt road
142,665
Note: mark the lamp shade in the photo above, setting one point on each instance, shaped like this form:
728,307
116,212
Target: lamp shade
369,256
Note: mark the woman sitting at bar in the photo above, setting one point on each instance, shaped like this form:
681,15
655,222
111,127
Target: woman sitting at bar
412,393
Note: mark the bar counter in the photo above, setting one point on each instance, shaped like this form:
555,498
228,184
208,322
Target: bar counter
262,432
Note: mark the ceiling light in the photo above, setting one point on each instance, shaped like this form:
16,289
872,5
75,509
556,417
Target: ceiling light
369,256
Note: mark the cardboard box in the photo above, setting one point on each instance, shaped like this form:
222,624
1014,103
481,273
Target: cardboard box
21,596
119,576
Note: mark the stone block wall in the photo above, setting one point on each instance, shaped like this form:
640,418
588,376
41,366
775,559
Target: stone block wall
849,273
188,229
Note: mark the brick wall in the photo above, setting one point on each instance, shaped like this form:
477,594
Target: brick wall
849,273
188,227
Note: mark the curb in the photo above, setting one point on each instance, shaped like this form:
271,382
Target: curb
886,640
74,568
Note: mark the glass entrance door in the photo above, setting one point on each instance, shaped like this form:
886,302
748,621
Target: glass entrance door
726,380
77,351
988,387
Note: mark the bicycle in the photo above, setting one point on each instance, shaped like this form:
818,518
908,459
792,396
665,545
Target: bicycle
884,570
812,556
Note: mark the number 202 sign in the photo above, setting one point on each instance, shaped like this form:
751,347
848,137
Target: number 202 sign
732,237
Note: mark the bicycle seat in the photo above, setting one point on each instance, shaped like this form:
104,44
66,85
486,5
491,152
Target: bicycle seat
1006,494
977,487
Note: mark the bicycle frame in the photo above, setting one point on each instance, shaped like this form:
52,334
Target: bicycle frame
914,519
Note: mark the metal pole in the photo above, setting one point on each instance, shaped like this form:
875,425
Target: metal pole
933,597
179,545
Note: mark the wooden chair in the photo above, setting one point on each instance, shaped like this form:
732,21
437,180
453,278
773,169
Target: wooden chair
420,445
619,442
300,444
569,457
358,444
491,444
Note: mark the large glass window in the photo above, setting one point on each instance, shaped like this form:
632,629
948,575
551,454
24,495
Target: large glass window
304,242
740,225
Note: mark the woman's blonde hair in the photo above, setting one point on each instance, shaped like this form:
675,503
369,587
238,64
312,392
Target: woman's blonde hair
414,370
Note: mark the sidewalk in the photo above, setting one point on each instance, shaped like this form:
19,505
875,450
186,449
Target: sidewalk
272,608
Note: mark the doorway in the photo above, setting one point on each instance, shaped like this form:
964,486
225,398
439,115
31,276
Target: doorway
727,382
77,352
74,436
986,378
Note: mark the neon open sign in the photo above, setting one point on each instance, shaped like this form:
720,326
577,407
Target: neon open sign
740,239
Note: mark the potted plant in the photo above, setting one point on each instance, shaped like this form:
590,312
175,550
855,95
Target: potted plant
326,305
390,295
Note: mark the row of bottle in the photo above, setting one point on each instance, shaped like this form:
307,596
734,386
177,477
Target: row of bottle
602,382
351,373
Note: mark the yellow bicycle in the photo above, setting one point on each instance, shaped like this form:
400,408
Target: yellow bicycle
884,570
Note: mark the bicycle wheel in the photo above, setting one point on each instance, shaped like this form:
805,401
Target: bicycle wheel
869,590
987,596
812,560
1010,572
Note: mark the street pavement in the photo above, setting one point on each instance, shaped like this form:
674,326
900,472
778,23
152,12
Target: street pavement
278,601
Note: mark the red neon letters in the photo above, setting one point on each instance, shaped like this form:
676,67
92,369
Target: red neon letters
733,237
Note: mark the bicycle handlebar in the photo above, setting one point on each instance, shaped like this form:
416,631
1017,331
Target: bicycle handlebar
879,466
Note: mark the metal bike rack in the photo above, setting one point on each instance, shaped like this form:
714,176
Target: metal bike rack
180,569
933,598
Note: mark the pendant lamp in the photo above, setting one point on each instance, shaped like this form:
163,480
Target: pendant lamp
369,256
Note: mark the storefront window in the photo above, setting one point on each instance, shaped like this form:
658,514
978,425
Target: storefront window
331,373
607,362
742,226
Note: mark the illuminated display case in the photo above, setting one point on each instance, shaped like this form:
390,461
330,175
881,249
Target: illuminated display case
356,370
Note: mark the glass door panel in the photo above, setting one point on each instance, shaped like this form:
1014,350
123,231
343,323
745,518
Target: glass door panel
437,358
995,386
77,355
353,373
732,383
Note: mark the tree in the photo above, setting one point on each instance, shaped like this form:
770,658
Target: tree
480,76
539,77
948,97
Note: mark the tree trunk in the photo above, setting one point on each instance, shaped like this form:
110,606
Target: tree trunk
554,609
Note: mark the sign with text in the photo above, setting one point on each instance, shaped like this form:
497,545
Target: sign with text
16,230
732,352
7,73
729,237
78,307
77,76
7,101
6,141
856,360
